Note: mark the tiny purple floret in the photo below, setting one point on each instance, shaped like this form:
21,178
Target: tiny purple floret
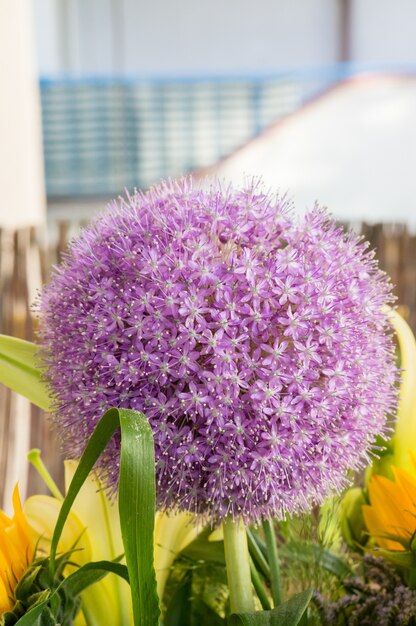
257,345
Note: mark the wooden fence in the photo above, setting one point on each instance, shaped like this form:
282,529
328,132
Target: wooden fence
26,257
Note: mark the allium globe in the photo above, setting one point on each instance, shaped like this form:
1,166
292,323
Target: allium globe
256,344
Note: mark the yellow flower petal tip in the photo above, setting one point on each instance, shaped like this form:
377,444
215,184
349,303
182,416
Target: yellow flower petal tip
391,515
404,439
93,524
17,549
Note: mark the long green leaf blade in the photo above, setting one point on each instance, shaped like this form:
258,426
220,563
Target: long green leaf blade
102,434
137,506
20,372
137,498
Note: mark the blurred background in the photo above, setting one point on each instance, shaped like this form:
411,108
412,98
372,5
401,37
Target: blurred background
318,97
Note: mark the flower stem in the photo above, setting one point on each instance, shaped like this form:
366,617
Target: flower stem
259,587
33,456
238,566
257,555
271,544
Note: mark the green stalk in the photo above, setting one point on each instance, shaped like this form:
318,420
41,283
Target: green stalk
273,556
257,555
34,457
238,566
259,587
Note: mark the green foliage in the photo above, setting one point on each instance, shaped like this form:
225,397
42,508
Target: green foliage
197,590
197,586
179,610
44,597
289,613
19,370
137,507
42,604
36,600
137,496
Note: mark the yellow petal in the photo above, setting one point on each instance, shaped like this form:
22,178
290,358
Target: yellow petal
16,551
98,514
392,509
377,529
217,534
5,602
407,483
42,513
108,601
405,432
173,532
393,506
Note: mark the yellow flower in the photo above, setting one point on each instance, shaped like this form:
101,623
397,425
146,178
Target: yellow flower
404,440
173,533
94,526
17,549
391,515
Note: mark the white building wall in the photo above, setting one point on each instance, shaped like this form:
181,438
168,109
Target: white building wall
219,36
186,36
49,36
228,36
383,31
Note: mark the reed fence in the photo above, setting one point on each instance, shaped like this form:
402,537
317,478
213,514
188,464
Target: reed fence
26,258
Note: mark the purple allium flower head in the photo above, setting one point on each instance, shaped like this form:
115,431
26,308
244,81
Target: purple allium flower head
257,346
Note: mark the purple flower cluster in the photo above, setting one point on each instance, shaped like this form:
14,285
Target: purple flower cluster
256,345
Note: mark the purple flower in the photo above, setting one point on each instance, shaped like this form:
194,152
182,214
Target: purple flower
257,345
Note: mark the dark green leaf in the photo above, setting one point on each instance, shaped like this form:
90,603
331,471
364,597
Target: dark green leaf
31,617
178,612
287,614
204,615
25,586
47,618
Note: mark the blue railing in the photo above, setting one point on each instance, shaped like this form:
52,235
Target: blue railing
102,135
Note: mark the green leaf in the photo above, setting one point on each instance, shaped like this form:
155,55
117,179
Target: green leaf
204,615
47,618
137,506
137,496
31,617
306,552
20,372
25,584
91,573
399,558
178,612
287,614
